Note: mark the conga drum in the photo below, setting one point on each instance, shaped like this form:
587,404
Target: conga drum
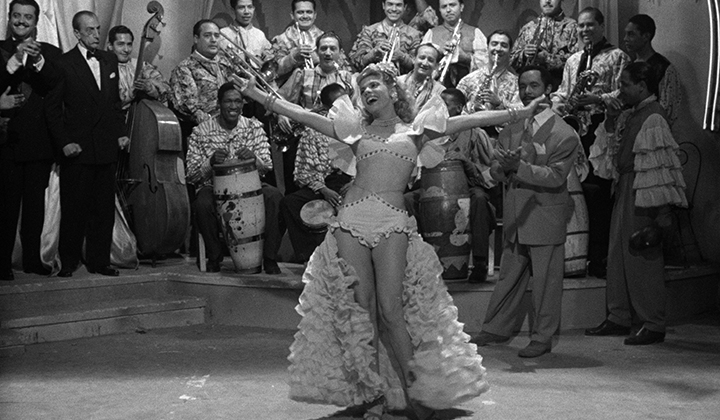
241,212
317,215
445,216
576,243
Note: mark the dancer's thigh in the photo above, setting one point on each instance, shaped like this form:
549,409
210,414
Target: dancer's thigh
390,260
359,257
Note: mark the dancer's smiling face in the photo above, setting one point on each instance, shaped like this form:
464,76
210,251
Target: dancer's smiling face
376,94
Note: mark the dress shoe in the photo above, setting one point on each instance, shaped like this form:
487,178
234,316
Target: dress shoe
65,273
607,328
7,275
105,271
535,349
478,275
37,269
271,267
645,337
212,267
485,338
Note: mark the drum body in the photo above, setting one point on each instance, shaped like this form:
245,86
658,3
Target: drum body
444,213
241,212
576,243
317,215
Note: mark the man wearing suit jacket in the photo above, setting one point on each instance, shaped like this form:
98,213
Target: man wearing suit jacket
27,153
533,159
86,123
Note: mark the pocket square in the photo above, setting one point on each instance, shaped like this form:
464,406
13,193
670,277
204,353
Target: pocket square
112,75
539,148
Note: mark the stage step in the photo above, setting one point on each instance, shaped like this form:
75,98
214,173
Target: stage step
65,309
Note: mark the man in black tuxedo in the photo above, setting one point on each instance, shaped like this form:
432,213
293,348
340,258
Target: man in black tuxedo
27,153
86,123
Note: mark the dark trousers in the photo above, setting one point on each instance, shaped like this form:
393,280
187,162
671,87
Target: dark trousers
303,239
482,220
599,200
205,219
22,182
87,205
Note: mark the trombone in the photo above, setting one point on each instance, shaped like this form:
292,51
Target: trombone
303,41
255,61
393,38
246,68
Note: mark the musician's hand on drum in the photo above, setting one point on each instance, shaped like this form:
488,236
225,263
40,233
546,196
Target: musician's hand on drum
331,196
285,124
244,153
219,156
71,150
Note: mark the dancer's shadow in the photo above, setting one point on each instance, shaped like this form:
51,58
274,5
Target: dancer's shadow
352,413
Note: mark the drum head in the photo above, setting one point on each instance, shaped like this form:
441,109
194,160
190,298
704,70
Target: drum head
317,214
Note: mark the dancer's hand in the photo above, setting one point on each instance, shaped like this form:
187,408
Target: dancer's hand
532,108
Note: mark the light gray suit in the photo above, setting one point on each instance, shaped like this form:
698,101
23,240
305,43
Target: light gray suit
536,209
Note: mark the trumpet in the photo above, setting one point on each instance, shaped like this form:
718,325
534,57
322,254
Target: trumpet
393,38
485,85
447,60
303,41
244,67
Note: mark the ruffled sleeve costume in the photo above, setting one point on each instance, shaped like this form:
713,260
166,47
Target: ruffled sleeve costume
332,358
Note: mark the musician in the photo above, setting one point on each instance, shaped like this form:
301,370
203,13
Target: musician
420,84
474,149
318,177
636,149
295,47
639,33
533,160
151,82
26,154
86,122
607,61
466,54
195,81
423,17
494,86
388,40
243,33
303,88
547,41
227,136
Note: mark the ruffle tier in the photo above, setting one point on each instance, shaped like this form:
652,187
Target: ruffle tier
332,357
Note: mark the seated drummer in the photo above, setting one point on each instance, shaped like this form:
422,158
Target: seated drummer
474,149
318,179
230,136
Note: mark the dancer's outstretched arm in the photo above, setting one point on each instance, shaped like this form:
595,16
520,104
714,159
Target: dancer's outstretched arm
315,121
461,123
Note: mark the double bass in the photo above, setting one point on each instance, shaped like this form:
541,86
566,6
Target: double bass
158,204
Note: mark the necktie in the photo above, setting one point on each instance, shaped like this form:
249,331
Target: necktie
92,54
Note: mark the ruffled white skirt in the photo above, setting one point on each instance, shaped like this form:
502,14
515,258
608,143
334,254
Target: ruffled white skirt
332,357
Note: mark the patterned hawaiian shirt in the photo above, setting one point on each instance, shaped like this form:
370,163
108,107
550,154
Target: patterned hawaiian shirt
608,64
149,72
370,36
427,89
210,136
478,147
505,84
559,41
304,86
195,83
312,162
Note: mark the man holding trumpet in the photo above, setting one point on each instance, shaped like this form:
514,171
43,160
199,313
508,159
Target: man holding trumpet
243,33
389,40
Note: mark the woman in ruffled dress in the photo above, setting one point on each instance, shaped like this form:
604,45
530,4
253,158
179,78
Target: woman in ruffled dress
379,328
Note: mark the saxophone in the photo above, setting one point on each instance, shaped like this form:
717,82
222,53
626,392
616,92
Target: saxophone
579,117
537,40
485,85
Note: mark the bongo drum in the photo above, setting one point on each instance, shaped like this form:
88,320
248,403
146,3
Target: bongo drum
317,215
241,212
576,242
445,216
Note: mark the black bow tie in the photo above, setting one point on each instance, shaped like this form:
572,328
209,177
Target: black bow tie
93,54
